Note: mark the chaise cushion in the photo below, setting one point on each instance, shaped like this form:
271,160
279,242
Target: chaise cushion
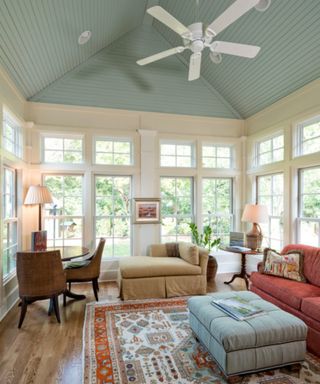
146,266
288,291
311,307
189,252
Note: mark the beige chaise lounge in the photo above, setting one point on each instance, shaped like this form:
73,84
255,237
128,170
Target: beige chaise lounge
172,269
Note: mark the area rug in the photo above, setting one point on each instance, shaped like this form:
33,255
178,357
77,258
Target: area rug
151,342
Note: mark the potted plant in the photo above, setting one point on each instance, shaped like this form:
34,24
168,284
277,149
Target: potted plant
208,241
204,239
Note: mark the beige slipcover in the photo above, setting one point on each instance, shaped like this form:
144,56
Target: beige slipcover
159,276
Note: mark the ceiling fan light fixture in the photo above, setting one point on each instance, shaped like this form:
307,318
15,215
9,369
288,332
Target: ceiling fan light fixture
263,5
215,57
84,37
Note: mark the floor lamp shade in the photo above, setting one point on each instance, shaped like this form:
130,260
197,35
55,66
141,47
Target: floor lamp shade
255,214
38,194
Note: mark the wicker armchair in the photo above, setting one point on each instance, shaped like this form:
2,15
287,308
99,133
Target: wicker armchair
88,270
40,276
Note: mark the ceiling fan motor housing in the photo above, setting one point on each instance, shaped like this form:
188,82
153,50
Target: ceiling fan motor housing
197,40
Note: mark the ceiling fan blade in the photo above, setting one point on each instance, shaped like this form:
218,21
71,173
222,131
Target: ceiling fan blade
162,15
243,50
160,55
230,15
194,66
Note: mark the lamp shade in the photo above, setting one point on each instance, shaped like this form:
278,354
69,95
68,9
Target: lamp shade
38,194
255,213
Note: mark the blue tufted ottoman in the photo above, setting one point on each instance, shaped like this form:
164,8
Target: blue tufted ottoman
273,339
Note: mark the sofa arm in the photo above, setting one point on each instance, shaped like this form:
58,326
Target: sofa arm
157,250
203,260
260,267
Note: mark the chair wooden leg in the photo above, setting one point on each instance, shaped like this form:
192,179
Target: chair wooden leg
24,305
98,288
69,285
64,299
95,290
56,307
50,309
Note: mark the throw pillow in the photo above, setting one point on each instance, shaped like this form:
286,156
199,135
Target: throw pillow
189,252
289,266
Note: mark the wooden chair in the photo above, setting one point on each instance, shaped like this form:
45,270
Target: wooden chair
88,270
40,276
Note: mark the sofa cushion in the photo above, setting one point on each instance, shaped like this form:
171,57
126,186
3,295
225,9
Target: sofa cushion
288,265
189,252
311,262
311,307
146,266
289,291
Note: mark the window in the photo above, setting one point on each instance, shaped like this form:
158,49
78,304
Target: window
58,149
270,193
308,134
216,156
270,150
309,206
177,155
176,208
113,214
10,222
217,210
12,135
113,151
64,218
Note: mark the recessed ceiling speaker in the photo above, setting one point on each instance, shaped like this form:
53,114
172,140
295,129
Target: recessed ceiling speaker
84,37
263,5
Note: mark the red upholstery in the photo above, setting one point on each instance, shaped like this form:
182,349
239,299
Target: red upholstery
300,299
313,338
311,264
311,307
288,291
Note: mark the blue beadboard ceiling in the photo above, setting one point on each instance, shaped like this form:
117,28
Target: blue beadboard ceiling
39,51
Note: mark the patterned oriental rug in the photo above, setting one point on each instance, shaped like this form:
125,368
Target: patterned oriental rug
150,341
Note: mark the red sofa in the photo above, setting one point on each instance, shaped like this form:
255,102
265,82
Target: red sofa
300,299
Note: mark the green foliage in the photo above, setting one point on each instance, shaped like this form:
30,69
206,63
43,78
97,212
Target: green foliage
204,239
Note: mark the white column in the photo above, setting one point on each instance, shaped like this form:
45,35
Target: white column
149,187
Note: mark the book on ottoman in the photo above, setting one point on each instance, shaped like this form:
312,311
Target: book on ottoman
237,308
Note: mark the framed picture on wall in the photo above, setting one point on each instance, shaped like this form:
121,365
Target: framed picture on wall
146,210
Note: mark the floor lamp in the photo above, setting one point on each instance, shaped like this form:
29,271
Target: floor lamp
38,195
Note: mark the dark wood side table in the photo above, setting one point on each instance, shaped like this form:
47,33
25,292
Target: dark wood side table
243,272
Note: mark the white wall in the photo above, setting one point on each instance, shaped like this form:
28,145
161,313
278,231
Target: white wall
283,116
146,130
12,100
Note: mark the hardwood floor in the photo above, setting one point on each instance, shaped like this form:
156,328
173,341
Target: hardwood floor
45,352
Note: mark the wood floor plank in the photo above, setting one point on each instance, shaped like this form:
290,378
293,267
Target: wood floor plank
44,351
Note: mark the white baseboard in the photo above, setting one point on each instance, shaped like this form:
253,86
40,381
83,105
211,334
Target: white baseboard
9,302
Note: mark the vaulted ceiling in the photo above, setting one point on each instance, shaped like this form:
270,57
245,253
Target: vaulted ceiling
40,53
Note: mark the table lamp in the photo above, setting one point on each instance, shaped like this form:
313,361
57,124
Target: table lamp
38,194
255,213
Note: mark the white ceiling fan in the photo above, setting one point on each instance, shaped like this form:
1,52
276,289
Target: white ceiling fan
195,37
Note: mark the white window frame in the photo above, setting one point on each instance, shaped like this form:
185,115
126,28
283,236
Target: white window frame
113,139
270,216
300,218
231,158
299,142
17,126
192,216
231,216
258,153
10,220
177,143
107,216
63,217
63,150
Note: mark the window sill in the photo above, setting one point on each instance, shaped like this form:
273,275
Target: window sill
9,277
